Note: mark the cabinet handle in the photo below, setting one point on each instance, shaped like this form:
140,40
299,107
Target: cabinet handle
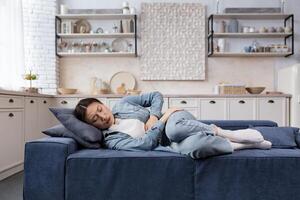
31,101
241,101
212,102
63,102
45,101
10,114
183,102
271,101
10,100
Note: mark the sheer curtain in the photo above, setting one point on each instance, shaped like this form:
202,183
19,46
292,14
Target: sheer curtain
11,45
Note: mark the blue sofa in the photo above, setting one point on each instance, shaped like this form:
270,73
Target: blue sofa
56,168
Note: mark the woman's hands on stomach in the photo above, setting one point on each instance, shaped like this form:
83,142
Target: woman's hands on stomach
151,121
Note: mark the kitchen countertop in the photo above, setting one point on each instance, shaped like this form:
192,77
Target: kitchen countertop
177,95
20,93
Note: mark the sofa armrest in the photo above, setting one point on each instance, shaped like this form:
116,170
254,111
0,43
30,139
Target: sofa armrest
240,124
44,168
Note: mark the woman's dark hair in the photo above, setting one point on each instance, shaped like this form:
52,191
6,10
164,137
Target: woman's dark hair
80,109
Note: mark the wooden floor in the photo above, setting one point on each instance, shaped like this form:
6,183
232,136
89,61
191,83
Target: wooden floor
11,188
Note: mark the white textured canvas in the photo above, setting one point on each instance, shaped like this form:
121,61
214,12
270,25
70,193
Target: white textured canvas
172,41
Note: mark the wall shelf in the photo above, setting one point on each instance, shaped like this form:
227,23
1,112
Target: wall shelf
232,54
287,18
251,35
59,36
97,54
96,16
97,35
252,16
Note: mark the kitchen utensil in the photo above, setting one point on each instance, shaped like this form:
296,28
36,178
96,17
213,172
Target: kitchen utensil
120,45
263,30
246,29
82,26
272,30
255,90
221,45
66,90
233,26
120,78
288,29
280,29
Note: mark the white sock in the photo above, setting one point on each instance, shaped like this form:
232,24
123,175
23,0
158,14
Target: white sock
260,145
241,136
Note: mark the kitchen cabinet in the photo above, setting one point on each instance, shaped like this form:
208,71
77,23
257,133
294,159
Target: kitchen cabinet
11,142
213,109
46,118
242,109
189,104
32,120
273,109
65,102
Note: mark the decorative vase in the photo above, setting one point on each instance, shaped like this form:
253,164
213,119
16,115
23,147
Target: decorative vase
233,26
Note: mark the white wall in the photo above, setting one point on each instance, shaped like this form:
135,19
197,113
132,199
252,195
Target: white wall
76,72
39,43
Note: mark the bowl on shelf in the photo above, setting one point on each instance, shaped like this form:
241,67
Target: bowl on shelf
66,90
255,90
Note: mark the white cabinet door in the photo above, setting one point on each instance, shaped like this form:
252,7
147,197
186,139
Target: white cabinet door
12,138
184,102
242,109
273,109
189,104
66,102
213,109
32,131
45,117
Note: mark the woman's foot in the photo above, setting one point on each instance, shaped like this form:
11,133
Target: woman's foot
260,145
240,136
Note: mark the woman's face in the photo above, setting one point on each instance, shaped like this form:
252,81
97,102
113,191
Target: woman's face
99,115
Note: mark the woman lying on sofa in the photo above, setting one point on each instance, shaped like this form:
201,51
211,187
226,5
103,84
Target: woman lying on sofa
130,126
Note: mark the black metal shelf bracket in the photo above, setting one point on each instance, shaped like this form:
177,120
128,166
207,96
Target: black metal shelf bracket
57,20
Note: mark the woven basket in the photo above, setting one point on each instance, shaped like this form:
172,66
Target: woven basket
225,89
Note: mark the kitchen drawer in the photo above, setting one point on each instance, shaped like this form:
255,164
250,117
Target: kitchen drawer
66,102
272,109
242,109
213,109
11,102
183,102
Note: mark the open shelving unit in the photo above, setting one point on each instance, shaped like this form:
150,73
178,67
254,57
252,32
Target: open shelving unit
250,16
59,18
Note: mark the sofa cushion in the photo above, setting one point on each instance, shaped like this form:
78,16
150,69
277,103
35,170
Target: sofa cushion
60,131
249,174
109,174
83,130
281,137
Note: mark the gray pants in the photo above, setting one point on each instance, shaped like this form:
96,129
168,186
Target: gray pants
191,137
